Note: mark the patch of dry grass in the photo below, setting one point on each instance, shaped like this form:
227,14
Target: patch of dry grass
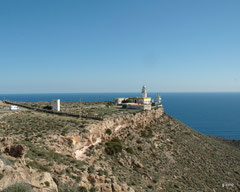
94,109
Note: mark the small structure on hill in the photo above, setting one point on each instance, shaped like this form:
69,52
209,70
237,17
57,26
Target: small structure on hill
158,100
13,108
142,103
118,101
56,105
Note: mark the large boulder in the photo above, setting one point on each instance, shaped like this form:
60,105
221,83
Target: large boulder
39,181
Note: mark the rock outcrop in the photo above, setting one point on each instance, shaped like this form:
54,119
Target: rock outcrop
97,132
20,174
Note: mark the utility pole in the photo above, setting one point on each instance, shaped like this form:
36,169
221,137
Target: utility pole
80,107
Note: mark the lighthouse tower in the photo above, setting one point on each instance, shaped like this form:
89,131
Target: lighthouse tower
144,92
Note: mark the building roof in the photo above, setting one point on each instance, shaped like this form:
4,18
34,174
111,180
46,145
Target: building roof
133,104
121,98
140,98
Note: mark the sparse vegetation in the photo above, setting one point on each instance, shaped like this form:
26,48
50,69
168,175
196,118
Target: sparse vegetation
166,156
35,125
82,189
36,165
99,109
1,176
6,161
114,146
147,132
71,188
129,150
109,131
91,169
19,187
93,189
47,183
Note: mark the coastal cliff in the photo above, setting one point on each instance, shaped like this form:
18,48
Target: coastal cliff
97,131
140,151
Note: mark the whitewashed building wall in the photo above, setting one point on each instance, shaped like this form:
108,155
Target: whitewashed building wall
56,105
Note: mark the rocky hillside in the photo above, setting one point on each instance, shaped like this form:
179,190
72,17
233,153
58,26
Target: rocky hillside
169,156
147,151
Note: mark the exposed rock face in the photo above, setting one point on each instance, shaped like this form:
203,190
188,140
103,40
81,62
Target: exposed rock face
5,142
39,181
103,183
97,132
172,158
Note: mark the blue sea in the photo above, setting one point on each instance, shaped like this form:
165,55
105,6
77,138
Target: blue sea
215,114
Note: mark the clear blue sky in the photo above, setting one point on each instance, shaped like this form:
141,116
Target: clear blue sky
119,45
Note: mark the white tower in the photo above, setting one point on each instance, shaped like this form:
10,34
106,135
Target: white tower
56,105
144,92
158,100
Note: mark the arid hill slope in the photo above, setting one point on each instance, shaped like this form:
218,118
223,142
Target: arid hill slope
158,155
169,156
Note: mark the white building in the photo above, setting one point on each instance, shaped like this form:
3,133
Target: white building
143,102
13,108
119,101
137,106
158,100
56,105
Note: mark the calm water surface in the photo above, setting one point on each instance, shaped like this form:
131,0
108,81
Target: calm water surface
215,114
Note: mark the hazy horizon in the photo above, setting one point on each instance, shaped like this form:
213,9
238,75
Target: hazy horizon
164,92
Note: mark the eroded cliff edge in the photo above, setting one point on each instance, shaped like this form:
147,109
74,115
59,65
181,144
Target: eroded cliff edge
97,132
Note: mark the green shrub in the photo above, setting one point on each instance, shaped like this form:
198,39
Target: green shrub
116,139
67,190
109,131
100,172
18,187
76,178
150,186
114,146
91,169
1,176
82,189
129,150
138,141
147,133
36,165
109,104
47,183
140,148
93,189
70,187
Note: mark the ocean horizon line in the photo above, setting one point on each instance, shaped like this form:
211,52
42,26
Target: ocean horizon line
164,92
